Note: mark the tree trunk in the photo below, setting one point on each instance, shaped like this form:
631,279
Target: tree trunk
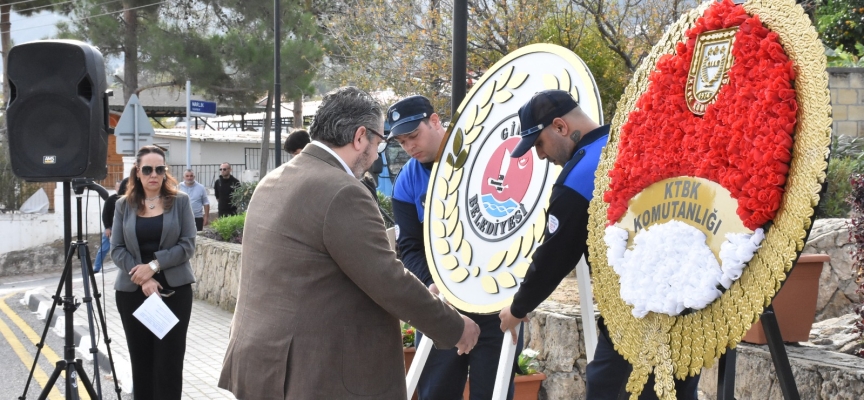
130,51
5,37
298,111
265,136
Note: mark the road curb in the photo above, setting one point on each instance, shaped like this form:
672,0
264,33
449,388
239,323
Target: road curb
37,302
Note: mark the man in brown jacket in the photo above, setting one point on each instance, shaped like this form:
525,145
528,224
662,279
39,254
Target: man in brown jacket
321,292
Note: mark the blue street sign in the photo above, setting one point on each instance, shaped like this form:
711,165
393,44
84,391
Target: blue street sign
200,108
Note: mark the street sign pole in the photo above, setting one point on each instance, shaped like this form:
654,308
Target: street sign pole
133,130
188,127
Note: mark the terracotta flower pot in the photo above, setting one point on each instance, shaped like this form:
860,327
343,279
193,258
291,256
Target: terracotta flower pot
408,352
795,304
527,387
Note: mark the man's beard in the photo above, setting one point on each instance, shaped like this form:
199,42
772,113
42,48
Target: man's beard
364,161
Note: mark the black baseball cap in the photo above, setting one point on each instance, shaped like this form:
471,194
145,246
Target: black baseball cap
538,113
404,116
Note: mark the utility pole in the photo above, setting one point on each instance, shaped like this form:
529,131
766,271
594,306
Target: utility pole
460,55
277,86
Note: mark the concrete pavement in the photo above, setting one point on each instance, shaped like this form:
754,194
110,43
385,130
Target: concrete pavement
206,341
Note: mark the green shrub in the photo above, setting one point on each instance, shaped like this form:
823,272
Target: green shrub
242,194
386,205
846,146
833,203
230,228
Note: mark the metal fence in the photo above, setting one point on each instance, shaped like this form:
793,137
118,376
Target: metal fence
253,158
206,174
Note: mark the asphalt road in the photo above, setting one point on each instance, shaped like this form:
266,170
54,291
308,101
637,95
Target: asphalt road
20,329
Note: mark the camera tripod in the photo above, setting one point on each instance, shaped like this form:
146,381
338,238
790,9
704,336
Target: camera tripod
72,366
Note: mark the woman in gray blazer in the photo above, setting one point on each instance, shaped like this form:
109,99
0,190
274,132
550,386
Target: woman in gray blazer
152,242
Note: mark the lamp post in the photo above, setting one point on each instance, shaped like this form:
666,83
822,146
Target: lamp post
277,85
460,55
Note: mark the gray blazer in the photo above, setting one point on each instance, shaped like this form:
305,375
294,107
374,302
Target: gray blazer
175,248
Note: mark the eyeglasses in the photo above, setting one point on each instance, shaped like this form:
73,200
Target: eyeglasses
166,293
147,170
383,144
224,169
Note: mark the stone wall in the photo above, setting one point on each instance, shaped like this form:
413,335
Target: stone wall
555,331
818,374
837,283
216,266
847,100
48,257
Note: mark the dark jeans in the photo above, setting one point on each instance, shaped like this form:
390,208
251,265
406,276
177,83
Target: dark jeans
104,247
445,372
608,373
157,365
199,224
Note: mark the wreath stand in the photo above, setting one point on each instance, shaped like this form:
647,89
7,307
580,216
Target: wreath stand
726,368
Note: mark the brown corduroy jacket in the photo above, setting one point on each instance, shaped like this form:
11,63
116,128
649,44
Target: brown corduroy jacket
321,293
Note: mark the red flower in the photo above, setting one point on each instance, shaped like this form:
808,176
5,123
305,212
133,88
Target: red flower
744,139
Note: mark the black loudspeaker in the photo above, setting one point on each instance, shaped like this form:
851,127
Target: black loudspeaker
57,111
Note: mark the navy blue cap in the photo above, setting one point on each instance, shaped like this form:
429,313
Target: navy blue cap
538,113
404,116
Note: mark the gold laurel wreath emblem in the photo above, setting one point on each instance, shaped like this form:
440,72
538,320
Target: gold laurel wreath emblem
677,347
447,230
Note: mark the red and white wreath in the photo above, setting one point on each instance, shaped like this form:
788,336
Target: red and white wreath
742,142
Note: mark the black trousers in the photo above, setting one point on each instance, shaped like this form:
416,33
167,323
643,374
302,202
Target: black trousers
445,372
199,223
608,373
157,365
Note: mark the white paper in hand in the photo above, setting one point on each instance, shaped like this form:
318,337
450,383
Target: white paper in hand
156,316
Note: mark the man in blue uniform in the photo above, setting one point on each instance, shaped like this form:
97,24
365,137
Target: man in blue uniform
563,134
415,125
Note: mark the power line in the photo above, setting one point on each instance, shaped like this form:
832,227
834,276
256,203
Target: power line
55,4
87,17
38,7
19,2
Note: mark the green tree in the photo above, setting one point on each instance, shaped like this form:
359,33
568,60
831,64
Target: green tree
406,45
631,27
841,23
25,8
118,29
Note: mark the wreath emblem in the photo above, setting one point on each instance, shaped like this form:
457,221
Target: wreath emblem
762,137
487,211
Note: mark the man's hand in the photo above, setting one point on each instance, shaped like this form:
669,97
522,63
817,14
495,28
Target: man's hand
150,287
470,333
108,233
205,220
509,323
140,274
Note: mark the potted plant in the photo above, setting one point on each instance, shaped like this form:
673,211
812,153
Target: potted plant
795,303
527,381
408,349
856,231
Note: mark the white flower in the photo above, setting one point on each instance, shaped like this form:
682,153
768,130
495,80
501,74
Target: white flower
671,267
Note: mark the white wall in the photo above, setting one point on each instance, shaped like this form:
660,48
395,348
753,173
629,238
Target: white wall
204,152
21,231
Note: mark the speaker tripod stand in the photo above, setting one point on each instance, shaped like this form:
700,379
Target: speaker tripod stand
73,367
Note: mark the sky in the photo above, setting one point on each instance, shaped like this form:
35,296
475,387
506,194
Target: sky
37,27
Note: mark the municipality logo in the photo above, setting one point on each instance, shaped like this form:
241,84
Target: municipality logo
486,211
496,199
